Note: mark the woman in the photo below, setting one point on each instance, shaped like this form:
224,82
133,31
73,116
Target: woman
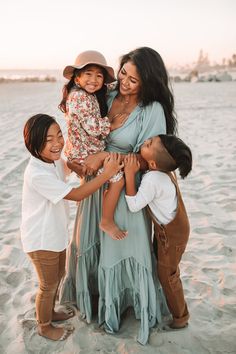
123,272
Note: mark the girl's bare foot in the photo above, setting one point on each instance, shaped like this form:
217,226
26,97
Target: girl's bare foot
54,333
62,316
112,230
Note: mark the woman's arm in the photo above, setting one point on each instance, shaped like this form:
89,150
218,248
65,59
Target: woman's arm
75,166
91,164
112,165
118,120
153,123
94,161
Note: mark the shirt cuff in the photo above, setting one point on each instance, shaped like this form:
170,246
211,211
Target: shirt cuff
130,199
62,195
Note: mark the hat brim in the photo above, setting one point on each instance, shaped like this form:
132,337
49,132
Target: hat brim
69,71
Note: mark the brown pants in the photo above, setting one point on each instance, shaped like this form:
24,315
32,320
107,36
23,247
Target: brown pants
50,268
169,257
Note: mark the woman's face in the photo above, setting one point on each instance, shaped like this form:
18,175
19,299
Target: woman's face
53,145
129,79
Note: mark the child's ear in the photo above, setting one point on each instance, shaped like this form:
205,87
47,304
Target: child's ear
76,80
152,165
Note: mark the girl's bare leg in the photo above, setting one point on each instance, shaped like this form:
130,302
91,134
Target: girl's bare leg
110,199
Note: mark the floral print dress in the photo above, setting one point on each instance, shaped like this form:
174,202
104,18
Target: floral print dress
86,128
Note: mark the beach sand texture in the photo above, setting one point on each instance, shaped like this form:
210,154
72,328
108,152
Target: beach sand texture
207,122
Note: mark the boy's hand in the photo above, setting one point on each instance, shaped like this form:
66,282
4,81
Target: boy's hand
132,165
112,164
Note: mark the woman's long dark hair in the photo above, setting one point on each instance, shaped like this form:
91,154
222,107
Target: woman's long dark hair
155,85
101,94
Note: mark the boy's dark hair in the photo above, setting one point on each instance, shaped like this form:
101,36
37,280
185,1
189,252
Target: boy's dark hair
100,94
35,133
180,155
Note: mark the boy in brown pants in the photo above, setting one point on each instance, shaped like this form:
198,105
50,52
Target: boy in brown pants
160,192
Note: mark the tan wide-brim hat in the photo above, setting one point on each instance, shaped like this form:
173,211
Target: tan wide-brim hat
89,57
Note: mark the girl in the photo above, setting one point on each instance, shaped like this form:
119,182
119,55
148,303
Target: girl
44,230
85,108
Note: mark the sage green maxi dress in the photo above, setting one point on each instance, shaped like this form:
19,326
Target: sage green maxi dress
122,272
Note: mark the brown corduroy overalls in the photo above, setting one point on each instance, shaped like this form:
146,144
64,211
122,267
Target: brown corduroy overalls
172,240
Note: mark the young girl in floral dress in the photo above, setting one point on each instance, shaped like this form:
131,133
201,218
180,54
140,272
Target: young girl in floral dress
85,108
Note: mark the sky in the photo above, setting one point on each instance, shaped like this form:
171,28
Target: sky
49,34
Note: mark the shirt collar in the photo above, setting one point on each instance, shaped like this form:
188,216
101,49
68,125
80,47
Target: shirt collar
45,165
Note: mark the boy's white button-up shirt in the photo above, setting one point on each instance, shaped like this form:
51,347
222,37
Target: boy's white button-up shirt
158,191
45,214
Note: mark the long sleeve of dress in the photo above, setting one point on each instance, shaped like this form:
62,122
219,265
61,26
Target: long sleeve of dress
153,123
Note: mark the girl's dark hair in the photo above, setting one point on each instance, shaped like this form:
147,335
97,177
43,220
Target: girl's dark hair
180,153
101,94
155,84
35,133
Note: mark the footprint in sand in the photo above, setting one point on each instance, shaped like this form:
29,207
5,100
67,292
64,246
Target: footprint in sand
15,279
229,251
215,275
2,328
155,339
5,261
5,196
228,292
4,299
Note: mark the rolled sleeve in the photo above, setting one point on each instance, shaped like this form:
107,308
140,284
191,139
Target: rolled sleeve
153,123
52,189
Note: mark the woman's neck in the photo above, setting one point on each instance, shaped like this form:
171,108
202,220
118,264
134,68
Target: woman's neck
123,105
128,100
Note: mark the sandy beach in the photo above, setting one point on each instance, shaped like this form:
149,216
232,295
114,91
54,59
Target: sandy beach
207,123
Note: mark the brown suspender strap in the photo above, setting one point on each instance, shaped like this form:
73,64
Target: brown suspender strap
159,230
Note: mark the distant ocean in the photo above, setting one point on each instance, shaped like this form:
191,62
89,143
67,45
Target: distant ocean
32,72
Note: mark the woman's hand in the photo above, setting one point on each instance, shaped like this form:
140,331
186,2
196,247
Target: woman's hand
112,164
76,167
94,161
118,120
132,165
